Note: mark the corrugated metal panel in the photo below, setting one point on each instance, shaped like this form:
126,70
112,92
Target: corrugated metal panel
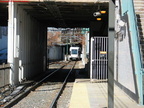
4,77
29,46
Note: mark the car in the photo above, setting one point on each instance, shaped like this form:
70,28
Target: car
3,56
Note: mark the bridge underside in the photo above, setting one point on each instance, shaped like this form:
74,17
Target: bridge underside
3,14
60,14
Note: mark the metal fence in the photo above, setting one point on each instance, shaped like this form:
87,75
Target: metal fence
4,74
100,58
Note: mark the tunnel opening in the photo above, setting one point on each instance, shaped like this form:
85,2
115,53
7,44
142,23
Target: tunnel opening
61,40
30,20
81,15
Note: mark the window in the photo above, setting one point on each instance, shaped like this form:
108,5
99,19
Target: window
74,51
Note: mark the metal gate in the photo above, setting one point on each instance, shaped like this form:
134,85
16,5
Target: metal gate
99,58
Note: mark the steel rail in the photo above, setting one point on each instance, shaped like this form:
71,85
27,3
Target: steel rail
54,102
24,93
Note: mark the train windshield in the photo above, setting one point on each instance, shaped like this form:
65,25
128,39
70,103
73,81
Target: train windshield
74,51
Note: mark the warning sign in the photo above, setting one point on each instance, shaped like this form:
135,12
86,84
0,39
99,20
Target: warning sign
103,52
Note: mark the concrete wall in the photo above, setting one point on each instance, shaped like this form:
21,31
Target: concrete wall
124,72
26,45
124,75
55,53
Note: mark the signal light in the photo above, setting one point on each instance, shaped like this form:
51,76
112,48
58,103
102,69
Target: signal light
103,12
98,19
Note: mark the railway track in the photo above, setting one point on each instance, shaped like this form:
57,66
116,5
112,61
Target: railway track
54,79
54,102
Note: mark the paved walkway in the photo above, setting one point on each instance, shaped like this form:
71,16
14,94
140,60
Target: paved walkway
94,95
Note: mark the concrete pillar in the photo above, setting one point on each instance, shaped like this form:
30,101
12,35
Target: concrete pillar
83,54
13,43
111,35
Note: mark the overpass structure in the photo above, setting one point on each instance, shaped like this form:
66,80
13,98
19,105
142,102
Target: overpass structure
27,26
27,22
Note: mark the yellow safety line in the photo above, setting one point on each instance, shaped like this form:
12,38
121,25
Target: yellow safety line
79,98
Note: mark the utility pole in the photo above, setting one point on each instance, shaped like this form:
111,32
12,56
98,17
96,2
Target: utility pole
67,48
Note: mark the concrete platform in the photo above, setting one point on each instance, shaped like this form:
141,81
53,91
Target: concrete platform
94,95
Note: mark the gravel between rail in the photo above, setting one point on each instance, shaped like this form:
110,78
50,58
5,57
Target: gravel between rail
43,96
40,98
64,100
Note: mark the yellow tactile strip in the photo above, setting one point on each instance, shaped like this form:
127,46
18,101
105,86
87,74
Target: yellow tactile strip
94,95
79,98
